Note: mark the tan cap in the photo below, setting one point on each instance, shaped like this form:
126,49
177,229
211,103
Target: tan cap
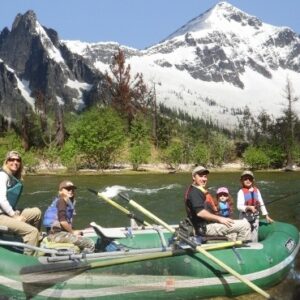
247,173
200,170
66,183
12,154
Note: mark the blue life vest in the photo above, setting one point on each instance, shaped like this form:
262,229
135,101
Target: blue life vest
51,213
224,209
14,190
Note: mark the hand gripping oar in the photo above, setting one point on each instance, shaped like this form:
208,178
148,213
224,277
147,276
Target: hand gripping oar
119,207
199,249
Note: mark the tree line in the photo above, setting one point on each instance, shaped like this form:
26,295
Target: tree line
128,126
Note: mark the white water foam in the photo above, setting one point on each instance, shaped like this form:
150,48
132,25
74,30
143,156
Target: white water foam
114,190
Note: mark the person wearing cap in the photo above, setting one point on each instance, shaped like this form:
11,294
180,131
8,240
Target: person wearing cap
225,202
25,223
206,222
58,219
250,202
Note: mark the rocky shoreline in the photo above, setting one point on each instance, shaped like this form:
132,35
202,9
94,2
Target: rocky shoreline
159,168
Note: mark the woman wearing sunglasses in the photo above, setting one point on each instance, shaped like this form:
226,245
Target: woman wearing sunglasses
250,203
26,222
58,219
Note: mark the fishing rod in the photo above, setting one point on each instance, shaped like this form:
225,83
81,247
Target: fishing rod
283,197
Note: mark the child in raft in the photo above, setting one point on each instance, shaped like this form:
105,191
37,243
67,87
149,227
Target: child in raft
250,202
224,202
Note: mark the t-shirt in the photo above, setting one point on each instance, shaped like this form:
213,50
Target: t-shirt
195,202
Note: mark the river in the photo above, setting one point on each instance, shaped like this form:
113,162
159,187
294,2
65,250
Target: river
163,195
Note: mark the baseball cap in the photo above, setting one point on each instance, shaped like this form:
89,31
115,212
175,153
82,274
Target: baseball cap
12,154
247,173
200,170
65,184
222,190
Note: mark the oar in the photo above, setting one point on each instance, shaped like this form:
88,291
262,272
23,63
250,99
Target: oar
60,271
200,249
148,214
206,246
120,207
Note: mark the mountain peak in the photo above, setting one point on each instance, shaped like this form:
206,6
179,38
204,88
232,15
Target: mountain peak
223,16
29,19
233,14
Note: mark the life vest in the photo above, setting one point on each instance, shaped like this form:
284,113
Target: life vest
251,198
224,209
209,201
51,213
14,190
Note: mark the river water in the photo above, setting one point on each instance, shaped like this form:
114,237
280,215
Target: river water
163,196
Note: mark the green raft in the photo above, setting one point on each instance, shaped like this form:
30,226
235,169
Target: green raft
146,266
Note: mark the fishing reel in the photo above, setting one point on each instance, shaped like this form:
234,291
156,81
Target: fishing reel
251,216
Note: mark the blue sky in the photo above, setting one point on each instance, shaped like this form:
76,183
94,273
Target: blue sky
136,23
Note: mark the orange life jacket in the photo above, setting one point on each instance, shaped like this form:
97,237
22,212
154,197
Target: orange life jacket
210,203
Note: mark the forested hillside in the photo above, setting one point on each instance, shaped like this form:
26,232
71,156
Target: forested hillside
128,126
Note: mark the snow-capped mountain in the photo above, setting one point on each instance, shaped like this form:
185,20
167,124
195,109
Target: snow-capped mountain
215,65
212,67
33,60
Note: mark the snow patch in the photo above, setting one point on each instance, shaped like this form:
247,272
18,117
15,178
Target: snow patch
53,52
23,86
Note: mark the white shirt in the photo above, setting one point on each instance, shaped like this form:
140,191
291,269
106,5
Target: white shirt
5,206
241,202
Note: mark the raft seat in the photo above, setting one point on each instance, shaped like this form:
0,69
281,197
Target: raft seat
109,233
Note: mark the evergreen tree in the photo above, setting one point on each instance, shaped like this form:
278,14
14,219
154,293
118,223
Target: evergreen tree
139,150
288,122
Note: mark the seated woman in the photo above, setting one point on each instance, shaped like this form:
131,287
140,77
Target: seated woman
26,222
58,219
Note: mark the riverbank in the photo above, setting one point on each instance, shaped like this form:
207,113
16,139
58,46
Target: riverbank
159,168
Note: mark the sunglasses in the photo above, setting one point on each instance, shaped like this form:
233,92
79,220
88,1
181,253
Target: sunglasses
247,178
69,188
14,159
222,194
